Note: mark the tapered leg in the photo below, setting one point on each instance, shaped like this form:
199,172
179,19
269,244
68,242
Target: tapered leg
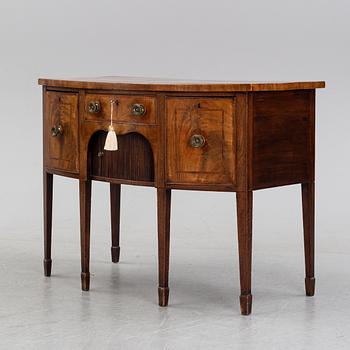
85,213
244,224
48,185
163,204
115,221
308,196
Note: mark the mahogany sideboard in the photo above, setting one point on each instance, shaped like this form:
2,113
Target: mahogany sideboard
174,134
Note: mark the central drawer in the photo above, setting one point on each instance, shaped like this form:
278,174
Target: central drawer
128,109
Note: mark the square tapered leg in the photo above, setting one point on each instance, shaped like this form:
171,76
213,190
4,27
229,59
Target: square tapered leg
308,198
47,190
163,204
85,214
244,225
115,220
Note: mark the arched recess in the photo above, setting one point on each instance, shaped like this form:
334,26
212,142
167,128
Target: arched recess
132,161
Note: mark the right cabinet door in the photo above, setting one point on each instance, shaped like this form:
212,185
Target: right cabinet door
200,139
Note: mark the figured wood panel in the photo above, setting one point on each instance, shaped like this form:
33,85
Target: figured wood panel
61,152
283,141
122,110
213,118
132,161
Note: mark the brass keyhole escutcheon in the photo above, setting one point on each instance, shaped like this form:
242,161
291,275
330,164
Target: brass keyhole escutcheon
94,107
138,110
56,130
197,141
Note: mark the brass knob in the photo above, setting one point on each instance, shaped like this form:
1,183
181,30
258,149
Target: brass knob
138,110
56,130
197,141
94,107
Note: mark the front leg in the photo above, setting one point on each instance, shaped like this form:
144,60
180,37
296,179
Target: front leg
244,224
115,220
163,205
308,198
85,214
48,188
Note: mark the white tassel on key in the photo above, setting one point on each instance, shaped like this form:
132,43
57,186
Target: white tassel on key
111,140
111,143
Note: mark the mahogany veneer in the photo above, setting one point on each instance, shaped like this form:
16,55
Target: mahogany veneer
174,134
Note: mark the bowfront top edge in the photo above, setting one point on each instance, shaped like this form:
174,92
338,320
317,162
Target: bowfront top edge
176,85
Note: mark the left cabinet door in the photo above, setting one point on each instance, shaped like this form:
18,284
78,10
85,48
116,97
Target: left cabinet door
61,131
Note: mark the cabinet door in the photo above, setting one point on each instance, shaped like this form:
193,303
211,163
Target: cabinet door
200,140
60,131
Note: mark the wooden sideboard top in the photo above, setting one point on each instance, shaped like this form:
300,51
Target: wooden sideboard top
177,85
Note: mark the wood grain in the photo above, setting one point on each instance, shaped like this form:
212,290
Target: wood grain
282,128
214,120
159,84
61,151
122,109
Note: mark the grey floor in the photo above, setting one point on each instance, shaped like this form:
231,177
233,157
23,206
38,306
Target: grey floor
121,311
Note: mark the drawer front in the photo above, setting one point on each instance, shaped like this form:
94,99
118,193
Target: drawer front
128,109
200,140
60,131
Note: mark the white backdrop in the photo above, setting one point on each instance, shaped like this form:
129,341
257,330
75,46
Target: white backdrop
223,39
239,40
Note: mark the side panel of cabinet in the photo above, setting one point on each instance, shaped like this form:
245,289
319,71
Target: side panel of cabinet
213,120
61,150
284,133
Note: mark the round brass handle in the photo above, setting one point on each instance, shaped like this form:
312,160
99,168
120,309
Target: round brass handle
138,110
94,107
197,141
56,130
